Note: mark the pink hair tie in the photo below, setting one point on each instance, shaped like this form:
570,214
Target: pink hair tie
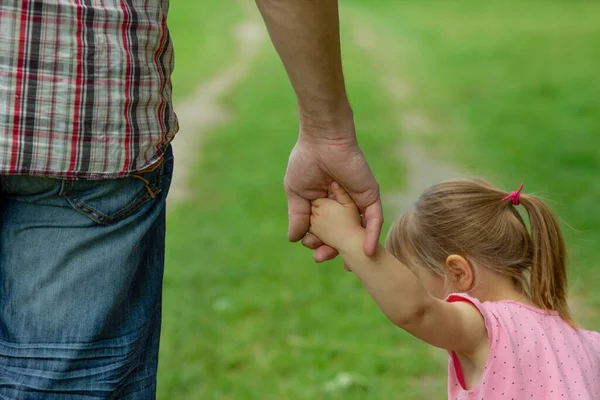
514,196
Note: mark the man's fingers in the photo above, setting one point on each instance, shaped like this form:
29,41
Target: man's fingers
322,251
298,217
312,242
325,253
374,217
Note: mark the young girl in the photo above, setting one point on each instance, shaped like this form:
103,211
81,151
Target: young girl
465,274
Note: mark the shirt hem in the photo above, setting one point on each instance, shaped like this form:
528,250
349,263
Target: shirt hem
82,175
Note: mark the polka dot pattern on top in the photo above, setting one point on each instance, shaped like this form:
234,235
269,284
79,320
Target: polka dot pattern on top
534,354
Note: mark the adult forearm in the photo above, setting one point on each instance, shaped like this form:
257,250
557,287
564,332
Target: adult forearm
305,34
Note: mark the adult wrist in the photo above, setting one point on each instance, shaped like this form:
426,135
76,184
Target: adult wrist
335,123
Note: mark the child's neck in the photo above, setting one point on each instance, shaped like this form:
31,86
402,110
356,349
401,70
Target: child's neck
495,287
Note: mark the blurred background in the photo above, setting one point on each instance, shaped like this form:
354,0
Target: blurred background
504,90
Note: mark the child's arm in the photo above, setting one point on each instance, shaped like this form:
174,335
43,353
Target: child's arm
396,290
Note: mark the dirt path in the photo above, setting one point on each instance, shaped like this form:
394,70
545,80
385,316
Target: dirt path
423,168
202,111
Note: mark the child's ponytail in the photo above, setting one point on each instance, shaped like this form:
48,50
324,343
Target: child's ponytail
548,280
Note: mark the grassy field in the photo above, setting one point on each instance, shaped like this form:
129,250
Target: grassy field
511,91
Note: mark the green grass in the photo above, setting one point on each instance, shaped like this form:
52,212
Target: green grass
203,38
248,315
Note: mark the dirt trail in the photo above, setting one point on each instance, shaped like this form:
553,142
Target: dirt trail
202,111
423,168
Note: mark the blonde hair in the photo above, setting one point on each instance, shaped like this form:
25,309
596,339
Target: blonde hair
470,218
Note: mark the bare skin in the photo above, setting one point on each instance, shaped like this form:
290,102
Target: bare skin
415,302
306,36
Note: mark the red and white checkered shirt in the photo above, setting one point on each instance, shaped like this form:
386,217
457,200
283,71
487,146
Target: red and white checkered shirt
85,87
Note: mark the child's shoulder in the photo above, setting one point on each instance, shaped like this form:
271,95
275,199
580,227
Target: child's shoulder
593,336
514,308
501,306
515,322
512,317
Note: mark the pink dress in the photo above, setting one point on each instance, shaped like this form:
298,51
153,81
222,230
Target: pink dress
533,355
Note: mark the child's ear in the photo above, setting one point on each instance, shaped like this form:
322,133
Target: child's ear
460,272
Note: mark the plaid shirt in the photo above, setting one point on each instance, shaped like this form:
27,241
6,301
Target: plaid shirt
85,87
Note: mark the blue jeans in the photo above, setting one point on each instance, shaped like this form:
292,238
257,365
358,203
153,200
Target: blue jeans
81,270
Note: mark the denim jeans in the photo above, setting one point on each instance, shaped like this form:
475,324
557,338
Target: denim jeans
81,270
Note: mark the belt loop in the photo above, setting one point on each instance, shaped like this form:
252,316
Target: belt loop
65,187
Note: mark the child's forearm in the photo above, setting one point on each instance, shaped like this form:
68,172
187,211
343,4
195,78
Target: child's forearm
395,289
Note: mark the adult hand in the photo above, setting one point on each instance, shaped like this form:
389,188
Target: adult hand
307,39
315,162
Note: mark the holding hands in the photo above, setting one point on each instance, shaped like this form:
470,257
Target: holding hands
313,165
336,221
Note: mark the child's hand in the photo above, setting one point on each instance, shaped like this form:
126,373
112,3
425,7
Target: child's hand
335,221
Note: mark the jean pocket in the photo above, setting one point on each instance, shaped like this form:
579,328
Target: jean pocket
109,201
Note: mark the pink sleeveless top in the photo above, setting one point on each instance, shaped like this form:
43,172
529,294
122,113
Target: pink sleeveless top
533,355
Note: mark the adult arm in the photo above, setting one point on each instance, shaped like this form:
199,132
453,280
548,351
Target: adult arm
305,34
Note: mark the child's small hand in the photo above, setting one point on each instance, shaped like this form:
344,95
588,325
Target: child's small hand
335,221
